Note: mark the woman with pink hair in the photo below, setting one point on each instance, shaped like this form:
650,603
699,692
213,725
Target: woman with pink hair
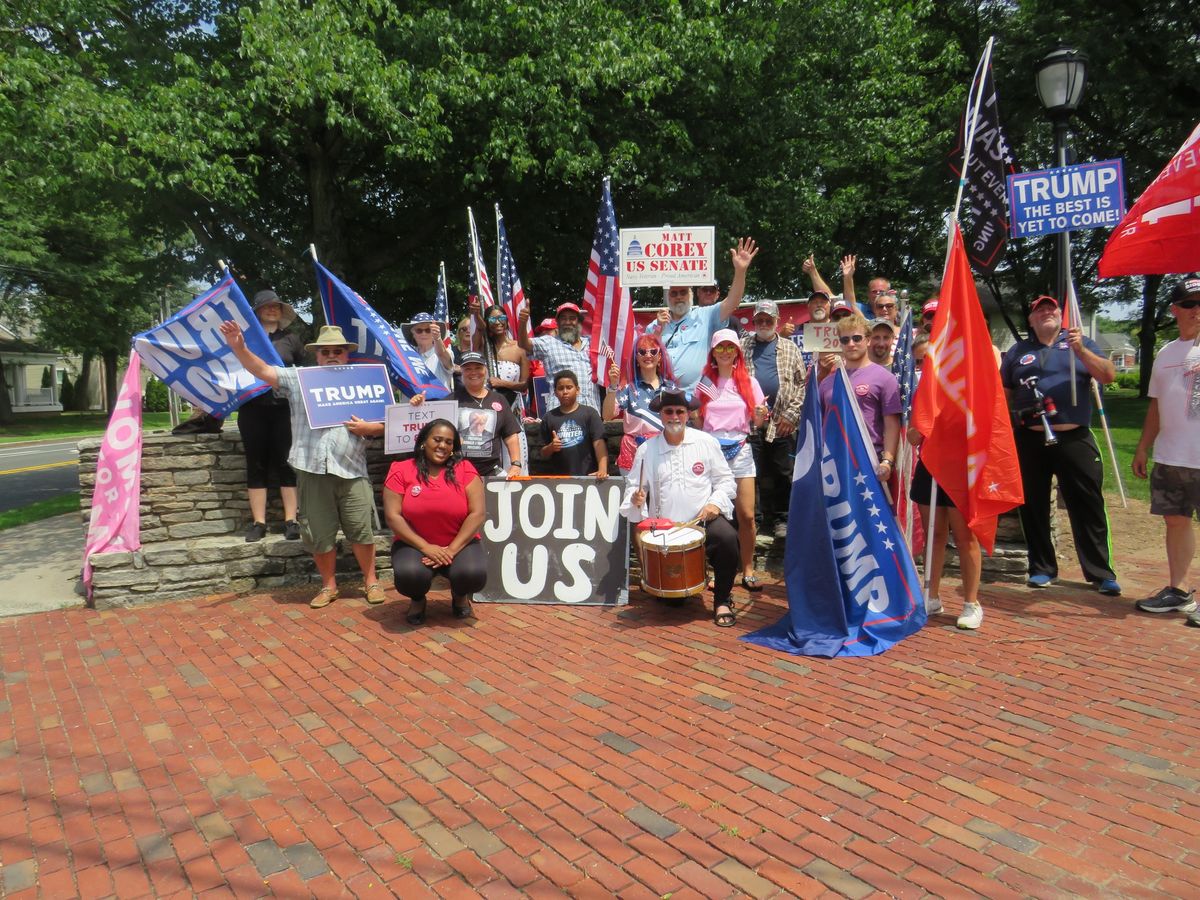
630,401
731,403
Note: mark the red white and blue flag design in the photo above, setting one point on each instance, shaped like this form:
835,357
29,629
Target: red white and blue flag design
607,304
510,294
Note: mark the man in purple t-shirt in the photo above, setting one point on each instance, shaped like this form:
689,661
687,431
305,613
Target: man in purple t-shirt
874,387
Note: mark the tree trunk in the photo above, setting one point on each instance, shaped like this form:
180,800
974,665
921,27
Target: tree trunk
83,385
6,410
1150,286
110,380
321,156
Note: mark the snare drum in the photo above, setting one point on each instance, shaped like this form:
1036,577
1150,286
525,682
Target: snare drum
672,561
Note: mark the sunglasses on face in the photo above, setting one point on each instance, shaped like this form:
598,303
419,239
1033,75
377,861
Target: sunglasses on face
331,351
422,331
885,305
851,339
1188,304
647,351
497,317
725,348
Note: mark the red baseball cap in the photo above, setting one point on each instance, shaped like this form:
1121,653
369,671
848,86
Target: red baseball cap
1045,298
546,324
568,307
929,307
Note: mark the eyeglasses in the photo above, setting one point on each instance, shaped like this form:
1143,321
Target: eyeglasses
647,351
1188,304
885,305
851,338
422,331
497,317
725,348
331,351
671,412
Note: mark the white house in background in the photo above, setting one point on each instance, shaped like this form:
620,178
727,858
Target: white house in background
31,373
1119,348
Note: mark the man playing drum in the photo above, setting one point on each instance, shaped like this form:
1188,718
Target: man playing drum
681,475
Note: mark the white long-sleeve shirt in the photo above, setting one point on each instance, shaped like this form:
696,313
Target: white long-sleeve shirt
680,480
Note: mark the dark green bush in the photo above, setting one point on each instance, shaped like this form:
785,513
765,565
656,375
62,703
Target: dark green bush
155,398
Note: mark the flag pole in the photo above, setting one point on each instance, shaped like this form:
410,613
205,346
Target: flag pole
973,115
312,248
497,269
442,279
221,265
1074,312
1112,453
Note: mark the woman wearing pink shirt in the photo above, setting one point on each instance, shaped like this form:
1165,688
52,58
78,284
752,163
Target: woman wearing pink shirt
731,403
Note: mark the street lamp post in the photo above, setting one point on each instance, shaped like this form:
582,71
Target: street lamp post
1061,79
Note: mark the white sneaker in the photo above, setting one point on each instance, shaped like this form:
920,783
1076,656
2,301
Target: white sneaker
933,605
972,616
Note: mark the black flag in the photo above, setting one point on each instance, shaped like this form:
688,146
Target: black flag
984,214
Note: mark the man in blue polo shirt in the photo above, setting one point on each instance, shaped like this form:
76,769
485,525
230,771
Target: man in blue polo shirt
1040,365
686,329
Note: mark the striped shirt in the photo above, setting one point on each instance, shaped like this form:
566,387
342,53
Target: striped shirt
556,355
320,451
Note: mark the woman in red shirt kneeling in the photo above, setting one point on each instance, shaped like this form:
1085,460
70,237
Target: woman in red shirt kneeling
434,505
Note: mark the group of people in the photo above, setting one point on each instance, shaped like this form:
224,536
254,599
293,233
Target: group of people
709,418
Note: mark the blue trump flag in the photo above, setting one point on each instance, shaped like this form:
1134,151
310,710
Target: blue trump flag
852,587
190,355
377,340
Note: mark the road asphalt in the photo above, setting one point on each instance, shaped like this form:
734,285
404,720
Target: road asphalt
37,470
39,566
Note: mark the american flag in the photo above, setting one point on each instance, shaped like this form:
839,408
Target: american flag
478,284
706,389
441,303
607,303
512,295
903,366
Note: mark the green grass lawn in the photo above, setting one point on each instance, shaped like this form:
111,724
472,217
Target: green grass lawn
69,425
1125,415
43,509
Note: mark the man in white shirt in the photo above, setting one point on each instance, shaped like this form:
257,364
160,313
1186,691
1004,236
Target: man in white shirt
1172,428
681,474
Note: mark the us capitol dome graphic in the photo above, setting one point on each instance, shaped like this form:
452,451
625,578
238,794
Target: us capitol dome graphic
634,248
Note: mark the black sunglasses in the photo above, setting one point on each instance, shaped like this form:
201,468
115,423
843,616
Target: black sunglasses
1188,304
851,338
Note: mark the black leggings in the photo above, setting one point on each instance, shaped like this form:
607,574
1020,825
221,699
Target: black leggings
266,431
467,572
721,548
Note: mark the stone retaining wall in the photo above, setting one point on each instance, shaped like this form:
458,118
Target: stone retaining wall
194,512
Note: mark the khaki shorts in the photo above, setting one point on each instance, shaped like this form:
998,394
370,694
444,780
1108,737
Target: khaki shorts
327,501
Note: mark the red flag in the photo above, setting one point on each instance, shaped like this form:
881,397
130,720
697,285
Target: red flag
1161,234
608,306
960,407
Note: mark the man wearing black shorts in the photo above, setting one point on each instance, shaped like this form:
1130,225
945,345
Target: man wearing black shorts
1172,428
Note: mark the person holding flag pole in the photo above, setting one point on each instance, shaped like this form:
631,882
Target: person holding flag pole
960,417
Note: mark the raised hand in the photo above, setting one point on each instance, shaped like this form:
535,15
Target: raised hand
809,266
232,333
743,254
848,264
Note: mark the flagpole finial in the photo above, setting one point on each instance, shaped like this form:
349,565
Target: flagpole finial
221,265
312,248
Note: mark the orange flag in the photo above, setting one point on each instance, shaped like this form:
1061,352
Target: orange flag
960,408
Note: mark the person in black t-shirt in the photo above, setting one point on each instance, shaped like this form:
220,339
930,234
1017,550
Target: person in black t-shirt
573,434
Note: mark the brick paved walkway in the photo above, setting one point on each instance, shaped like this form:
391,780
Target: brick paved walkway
253,746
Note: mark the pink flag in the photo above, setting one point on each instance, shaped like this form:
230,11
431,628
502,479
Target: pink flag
115,519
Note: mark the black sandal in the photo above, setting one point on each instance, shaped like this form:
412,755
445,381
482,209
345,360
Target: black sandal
416,613
751,583
461,610
726,619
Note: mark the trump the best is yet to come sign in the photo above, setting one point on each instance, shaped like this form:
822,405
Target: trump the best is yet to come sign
1072,198
660,257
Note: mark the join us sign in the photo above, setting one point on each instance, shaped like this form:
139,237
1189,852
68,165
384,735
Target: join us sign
664,256
332,394
1071,198
556,540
